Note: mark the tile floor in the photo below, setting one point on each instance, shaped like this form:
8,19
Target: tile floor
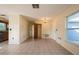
34,47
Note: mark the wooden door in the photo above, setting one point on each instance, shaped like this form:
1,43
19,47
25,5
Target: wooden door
37,30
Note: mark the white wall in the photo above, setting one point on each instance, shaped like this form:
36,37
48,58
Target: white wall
53,29
20,28
14,34
23,28
59,24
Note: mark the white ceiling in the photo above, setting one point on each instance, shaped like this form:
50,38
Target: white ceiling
45,10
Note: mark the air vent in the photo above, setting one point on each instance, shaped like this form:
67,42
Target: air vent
35,6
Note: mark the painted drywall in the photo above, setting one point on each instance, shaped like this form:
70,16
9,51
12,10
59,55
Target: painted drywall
31,29
14,34
60,29
53,29
19,28
23,28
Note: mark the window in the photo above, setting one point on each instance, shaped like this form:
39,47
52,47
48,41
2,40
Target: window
73,27
2,27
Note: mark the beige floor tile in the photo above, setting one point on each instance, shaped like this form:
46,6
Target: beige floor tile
34,47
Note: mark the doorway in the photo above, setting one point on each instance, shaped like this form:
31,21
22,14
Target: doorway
36,31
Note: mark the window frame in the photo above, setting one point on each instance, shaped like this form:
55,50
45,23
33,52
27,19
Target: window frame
66,23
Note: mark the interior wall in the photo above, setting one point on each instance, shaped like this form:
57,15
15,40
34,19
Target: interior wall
14,34
19,28
30,29
53,26
60,33
24,25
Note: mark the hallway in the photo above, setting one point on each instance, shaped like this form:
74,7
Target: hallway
34,47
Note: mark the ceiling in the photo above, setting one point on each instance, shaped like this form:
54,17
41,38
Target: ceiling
44,10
